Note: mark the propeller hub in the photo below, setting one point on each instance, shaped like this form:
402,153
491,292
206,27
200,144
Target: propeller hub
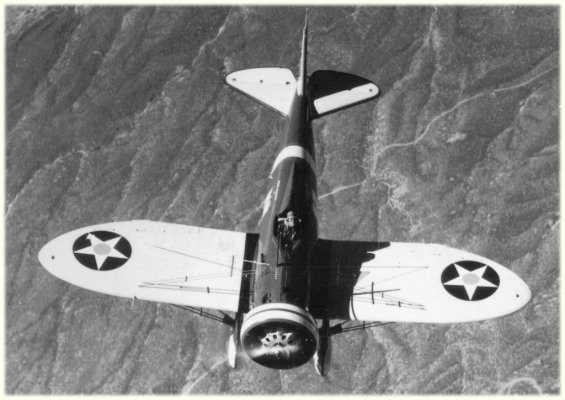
279,335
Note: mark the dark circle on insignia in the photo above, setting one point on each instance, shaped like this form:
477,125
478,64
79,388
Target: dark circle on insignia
85,251
458,290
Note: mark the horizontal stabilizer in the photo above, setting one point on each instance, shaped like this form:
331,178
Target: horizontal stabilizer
331,91
275,88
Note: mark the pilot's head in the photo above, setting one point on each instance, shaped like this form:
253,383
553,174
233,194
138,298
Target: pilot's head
290,218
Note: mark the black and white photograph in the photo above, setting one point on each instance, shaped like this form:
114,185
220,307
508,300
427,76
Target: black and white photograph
282,199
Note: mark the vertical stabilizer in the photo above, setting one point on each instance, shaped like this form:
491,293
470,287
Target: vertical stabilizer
301,81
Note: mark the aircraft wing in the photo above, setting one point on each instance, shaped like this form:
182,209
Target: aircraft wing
155,261
410,282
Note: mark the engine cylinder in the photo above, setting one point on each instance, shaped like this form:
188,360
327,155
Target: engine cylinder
279,335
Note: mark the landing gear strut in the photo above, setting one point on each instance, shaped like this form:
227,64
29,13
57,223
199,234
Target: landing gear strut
234,344
323,356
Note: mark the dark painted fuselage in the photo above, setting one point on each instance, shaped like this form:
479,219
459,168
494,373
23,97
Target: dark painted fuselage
281,274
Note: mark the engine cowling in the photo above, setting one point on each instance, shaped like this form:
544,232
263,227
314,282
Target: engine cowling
279,335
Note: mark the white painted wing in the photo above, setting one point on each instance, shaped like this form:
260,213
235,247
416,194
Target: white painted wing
155,261
272,87
414,282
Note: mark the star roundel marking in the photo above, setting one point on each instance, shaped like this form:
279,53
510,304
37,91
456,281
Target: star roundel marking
470,280
102,250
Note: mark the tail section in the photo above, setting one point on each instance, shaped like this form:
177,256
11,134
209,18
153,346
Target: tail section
327,91
302,77
275,88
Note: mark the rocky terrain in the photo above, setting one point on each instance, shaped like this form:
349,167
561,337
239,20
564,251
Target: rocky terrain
117,113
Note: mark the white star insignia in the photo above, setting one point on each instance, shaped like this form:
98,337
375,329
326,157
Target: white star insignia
101,250
470,280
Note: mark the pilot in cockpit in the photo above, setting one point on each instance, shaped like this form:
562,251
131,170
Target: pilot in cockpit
289,221
289,234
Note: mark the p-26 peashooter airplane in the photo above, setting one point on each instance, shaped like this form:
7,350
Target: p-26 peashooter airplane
280,289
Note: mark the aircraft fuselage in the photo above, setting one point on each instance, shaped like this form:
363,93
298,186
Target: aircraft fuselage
279,332
282,265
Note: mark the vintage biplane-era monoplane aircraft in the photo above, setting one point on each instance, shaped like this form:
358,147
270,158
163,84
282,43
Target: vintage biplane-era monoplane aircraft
281,289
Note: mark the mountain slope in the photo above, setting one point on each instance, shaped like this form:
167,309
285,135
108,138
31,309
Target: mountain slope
118,113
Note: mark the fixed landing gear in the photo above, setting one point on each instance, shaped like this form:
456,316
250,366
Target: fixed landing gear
232,352
323,356
234,344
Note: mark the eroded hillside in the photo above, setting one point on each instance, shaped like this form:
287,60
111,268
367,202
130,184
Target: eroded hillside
118,113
